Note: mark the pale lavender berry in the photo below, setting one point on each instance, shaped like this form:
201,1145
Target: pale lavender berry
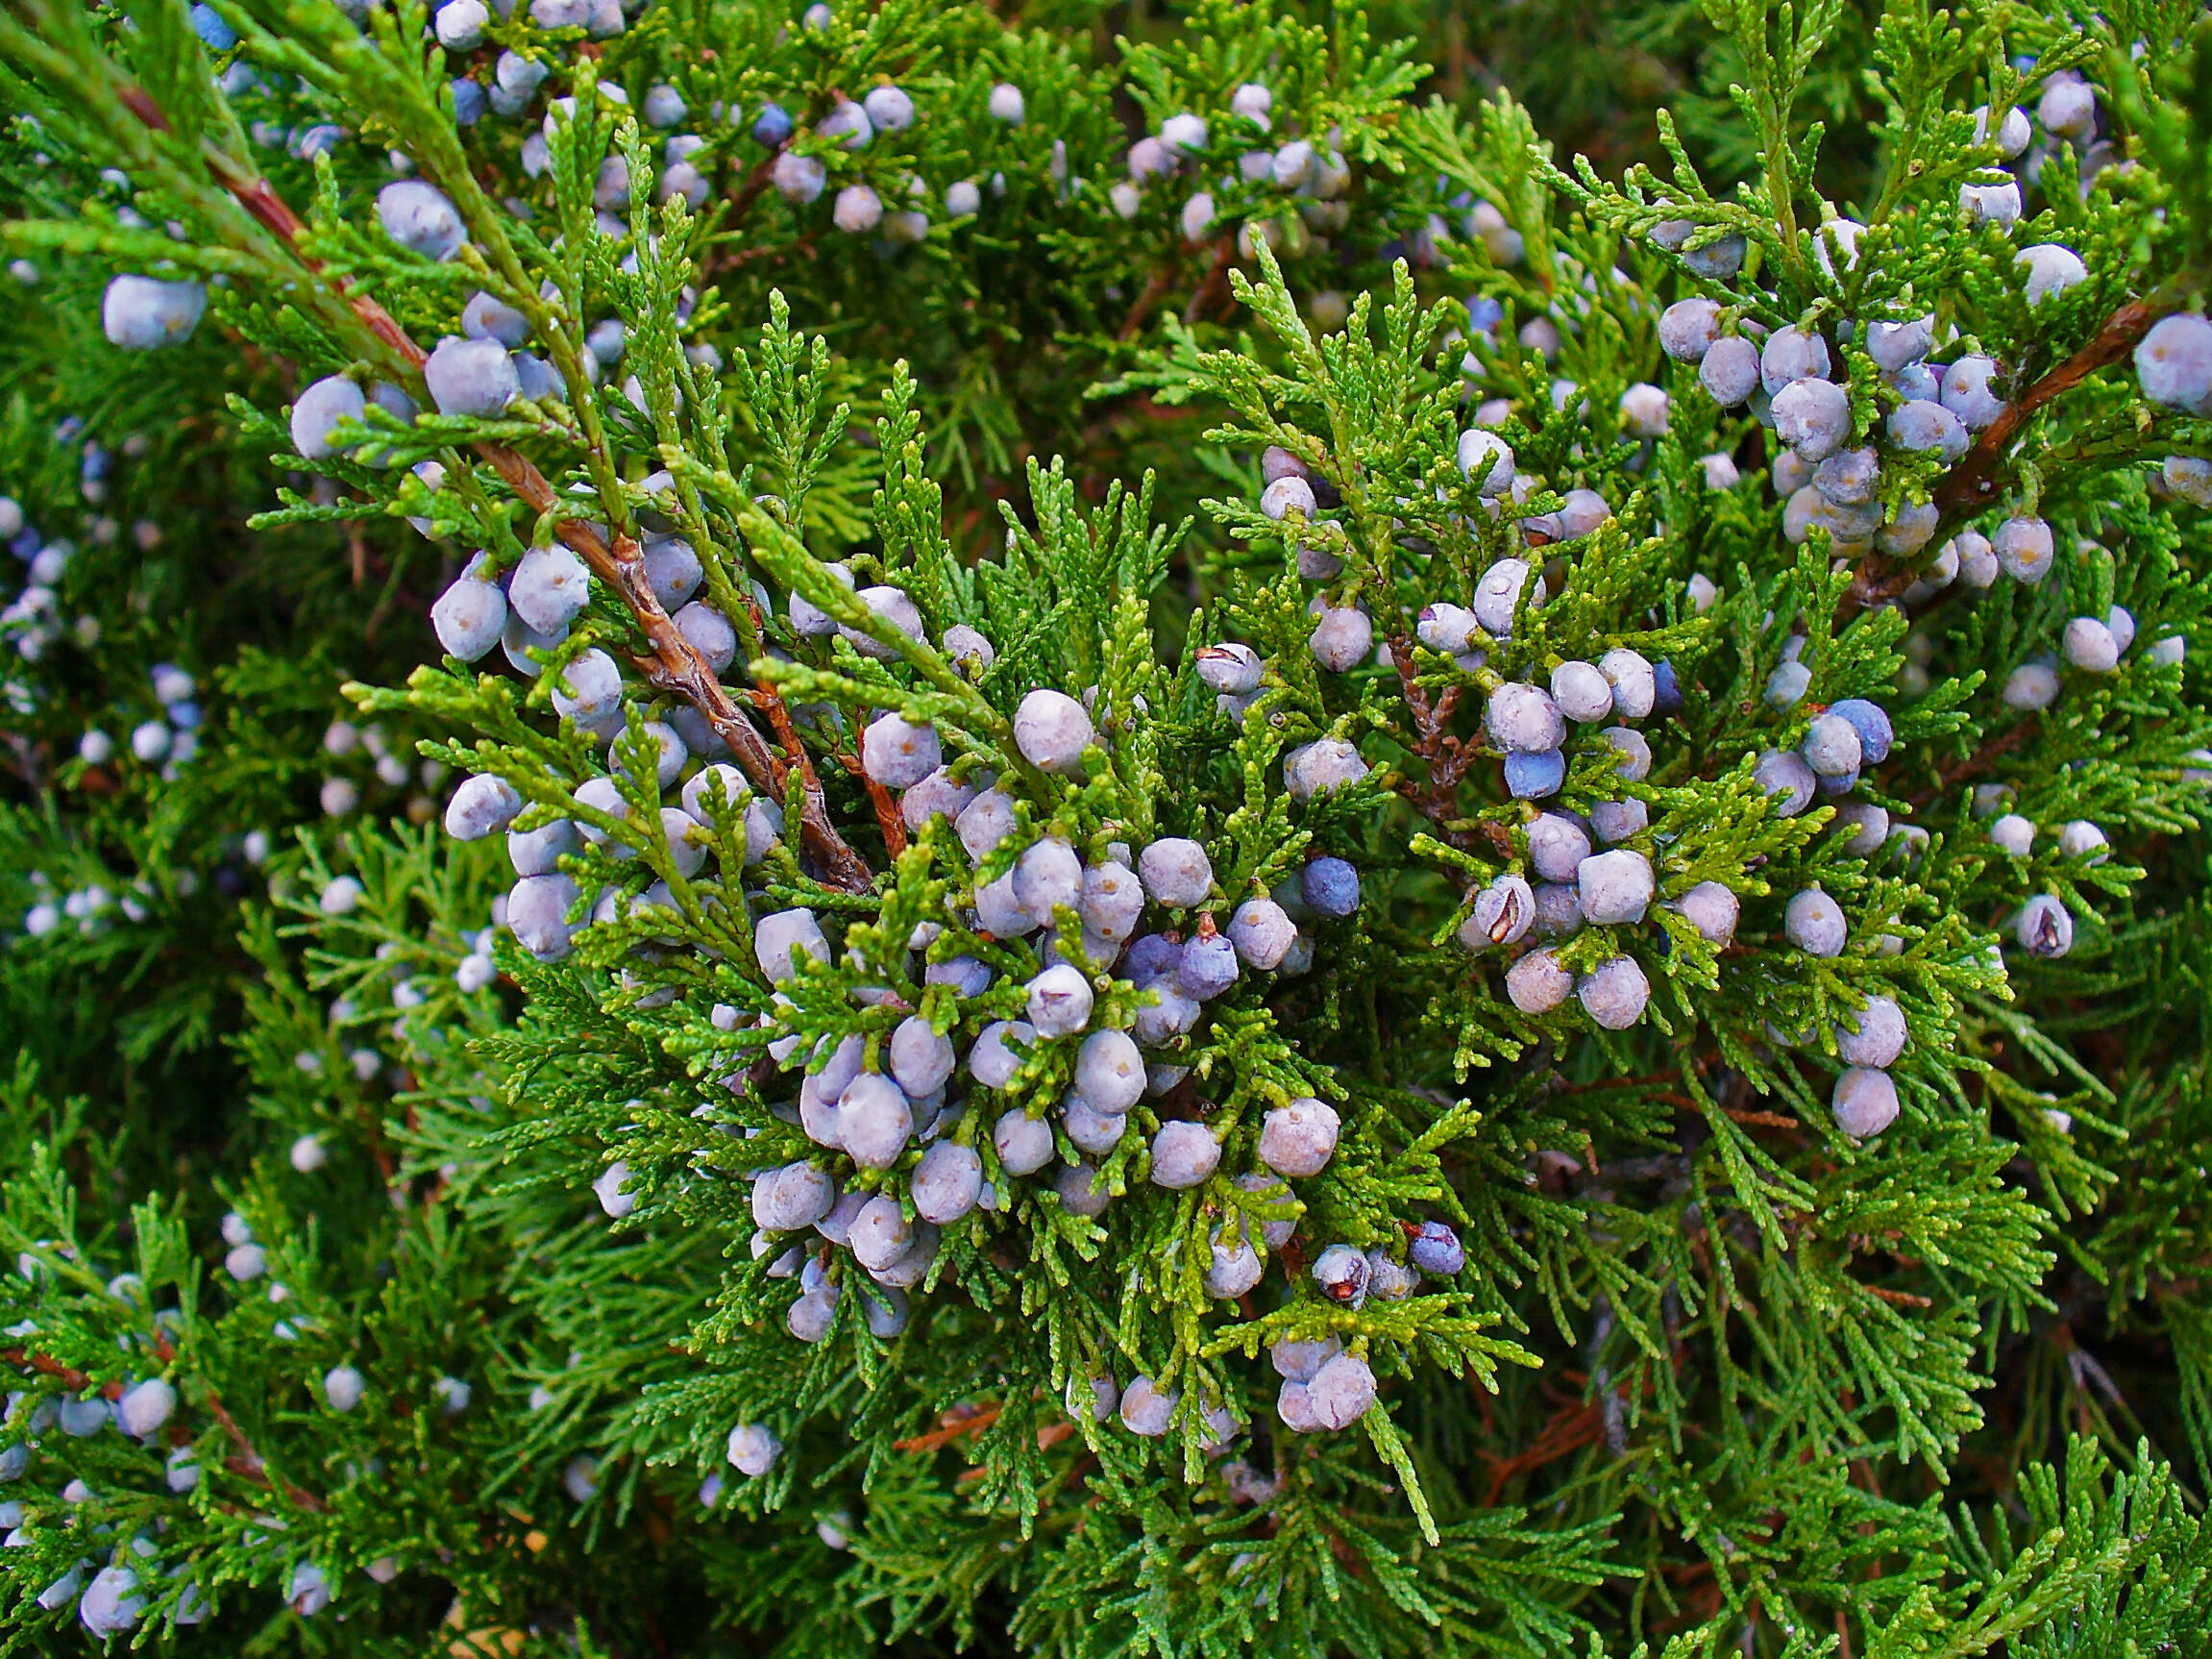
936,795
537,914
1877,1038
1791,354
1864,1102
1047,877
549,588
481,806
1712,910
753,1450
1897,346
1557,847
2081,838
319,410
1689,329
1558,910
1533,777
887,604
2013,835
2031,686
1262,933
874,1121
471,377
141,313
1498,592
947,1182
1234,1268
1634,682
2045,926
1110,1072
1321,767
1052,731
1175,872
1091,1130
469,617
1583,692
1967,391
1832,747
2089,646
1871,722
1614,887
1081,1191
899,752
1614,993
1487,460
2174,362
1298,1361
420,217
921,1058
1023,1143
1331,886
1060,1000
1146,1411
1813,417
1815,923
1113,901
1340,1392
1537,983
1297,1139
880,1233
1929,428
1184,1154
994,1058
2023,548
1524,720
1787,778
1730,371
793,1197
780,939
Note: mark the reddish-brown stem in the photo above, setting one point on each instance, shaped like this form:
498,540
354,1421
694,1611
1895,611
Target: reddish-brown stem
1216,283
673,664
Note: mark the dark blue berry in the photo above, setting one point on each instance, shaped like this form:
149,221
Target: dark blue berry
1331,887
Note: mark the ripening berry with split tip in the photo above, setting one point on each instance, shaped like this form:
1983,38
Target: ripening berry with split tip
2044,928
1342,1273
1864,1102
1503,912
1229,667
1299,1139
1052,731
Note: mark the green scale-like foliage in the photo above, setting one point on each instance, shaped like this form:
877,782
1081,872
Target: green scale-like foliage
445,1229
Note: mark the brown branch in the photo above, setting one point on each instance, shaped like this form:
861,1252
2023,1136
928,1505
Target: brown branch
1216,283
673,665
1974,481
1148,302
